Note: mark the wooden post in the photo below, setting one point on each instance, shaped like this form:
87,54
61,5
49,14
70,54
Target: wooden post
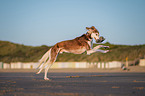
126,62
31,66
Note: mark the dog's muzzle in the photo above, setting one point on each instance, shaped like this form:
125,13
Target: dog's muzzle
101,39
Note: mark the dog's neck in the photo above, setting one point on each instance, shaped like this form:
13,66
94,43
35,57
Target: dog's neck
88,35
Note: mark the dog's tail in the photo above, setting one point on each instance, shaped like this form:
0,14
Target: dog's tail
44,58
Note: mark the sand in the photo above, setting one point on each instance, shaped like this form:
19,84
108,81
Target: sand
130,69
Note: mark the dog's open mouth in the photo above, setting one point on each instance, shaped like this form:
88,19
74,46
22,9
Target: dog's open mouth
101,39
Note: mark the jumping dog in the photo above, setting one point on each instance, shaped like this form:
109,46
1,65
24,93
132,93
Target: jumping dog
77,46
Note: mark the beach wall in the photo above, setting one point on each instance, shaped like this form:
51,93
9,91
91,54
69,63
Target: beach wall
33,65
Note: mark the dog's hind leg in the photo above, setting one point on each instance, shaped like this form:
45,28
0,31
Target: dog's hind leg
54,52
46,70
46,55
43,66
44,58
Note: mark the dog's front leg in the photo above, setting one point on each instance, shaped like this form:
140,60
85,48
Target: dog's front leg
100,46
90,52
96,49
103,51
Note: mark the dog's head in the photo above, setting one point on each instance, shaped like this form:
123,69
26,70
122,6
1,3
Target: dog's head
93,32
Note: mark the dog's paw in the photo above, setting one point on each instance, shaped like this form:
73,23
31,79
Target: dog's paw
47,79
106,51
38,73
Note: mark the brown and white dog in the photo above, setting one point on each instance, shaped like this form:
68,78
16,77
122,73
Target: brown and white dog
77,46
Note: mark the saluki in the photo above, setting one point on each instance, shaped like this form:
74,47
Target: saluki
77,46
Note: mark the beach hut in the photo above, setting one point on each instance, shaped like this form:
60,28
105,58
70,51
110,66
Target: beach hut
81,65
114,64
1,65
30,65
16,65
6,66
142,62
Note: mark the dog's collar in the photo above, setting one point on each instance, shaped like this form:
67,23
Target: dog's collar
87,33
89,36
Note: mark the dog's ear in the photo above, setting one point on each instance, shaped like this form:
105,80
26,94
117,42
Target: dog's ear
87,28
90,28
93,28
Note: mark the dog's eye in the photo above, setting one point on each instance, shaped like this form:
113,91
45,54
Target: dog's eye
97,34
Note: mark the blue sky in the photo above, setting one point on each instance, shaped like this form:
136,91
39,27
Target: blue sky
46,22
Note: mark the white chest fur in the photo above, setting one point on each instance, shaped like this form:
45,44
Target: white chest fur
90,43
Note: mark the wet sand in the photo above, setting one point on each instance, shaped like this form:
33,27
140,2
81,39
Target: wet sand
81,70
73,82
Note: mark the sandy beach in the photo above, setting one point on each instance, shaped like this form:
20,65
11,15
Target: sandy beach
131,69
73,82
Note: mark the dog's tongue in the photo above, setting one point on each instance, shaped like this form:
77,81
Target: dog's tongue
101,39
